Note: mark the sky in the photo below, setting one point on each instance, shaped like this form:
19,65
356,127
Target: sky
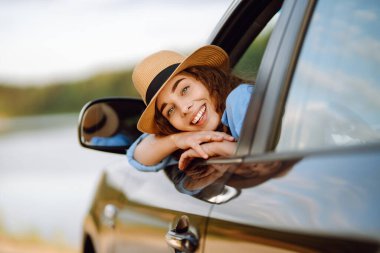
44,41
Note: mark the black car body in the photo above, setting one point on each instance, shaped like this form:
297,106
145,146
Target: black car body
305,177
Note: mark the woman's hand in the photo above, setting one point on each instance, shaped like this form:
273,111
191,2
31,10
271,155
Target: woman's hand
153,149
193,140
221,148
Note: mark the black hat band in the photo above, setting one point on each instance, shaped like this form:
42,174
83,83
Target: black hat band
96,127
158,81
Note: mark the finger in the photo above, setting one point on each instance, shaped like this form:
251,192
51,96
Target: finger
217,137
211,137
220,136
184,159
205,137
183,162
229,138
198,149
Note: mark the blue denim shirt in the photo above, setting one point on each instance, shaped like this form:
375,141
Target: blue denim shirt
116,140
236,108
233,117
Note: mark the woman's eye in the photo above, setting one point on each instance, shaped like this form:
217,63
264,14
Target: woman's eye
184,90
170,111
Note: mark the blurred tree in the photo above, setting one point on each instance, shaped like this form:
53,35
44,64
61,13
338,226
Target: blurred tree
63,97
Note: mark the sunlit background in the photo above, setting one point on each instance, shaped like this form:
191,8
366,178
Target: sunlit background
54,57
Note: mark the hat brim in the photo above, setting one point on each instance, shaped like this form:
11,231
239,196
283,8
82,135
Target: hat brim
110,126
209,55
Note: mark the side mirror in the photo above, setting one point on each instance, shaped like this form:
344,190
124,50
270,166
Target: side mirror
110,124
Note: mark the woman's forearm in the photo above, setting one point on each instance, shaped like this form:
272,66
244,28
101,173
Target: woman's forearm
152,149
223,148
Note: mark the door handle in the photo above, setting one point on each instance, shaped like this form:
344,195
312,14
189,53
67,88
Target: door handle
181,237
109,215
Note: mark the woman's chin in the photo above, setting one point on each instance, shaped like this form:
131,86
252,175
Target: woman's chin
210,126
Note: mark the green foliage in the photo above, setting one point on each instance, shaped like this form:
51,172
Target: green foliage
248,66
63,97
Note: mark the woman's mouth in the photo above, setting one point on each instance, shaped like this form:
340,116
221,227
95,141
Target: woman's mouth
199,115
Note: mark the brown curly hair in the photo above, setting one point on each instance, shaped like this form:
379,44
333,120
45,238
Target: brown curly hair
218,82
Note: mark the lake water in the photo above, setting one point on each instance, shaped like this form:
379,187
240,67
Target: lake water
47,179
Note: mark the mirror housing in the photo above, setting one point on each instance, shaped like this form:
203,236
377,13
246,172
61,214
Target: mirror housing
110,124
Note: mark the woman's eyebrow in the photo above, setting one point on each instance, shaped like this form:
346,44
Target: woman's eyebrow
174,87
176,84
163,107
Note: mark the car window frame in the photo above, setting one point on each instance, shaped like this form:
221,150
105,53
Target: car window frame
260,130
242,23
274,74
234,43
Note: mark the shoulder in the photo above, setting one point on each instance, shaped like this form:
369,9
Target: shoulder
236,107
240,92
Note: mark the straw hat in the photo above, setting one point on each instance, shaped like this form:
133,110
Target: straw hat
99,120
154,72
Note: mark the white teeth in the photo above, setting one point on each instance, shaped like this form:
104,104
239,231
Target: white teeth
199,115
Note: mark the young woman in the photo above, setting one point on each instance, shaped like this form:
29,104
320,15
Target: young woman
193,103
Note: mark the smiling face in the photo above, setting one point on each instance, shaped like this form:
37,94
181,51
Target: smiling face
186,103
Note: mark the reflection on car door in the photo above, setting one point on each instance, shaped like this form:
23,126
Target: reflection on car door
150,208
316,204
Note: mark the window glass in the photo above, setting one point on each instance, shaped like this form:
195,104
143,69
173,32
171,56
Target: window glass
334,97
248,65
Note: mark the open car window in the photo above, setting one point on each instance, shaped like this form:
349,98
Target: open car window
248,65
212,182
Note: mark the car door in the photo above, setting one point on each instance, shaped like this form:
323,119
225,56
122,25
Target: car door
308,163
152,216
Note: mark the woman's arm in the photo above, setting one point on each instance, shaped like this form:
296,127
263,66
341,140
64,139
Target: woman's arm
223,148
153,149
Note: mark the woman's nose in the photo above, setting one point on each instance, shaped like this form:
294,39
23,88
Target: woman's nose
186,108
